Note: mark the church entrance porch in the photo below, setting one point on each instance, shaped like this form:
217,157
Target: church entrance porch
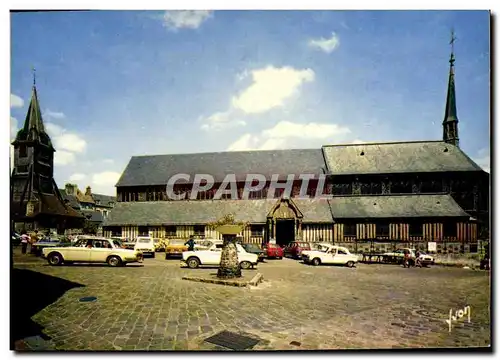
285,231
284,222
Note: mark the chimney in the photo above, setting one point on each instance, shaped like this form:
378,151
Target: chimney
88,191
70,189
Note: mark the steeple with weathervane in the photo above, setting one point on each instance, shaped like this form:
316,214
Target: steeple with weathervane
36,202
450,122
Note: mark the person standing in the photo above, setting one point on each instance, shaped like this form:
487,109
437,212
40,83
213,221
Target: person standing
33,240
190,243
24,241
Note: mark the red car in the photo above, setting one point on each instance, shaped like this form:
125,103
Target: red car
295,248
273,251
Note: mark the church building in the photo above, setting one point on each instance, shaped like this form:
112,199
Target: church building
383,194
36,203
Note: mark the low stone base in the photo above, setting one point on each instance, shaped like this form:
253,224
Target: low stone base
243,281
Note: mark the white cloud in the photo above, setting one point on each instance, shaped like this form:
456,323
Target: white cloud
357,141
326,45
287,134
187,19
54,114
287,129
16,101
62,157
108,161
222,120
270,88
483,159
104,182
77,177
13,128
65,140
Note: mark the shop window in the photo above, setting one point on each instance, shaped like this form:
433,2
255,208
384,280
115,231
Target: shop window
349,229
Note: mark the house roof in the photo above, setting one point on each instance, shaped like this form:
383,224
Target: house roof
400,157
395,206
95,216
155,213
103,200
71,199
158,169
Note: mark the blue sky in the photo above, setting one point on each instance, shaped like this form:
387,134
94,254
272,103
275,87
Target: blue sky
114,84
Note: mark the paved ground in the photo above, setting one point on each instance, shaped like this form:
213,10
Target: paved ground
149,307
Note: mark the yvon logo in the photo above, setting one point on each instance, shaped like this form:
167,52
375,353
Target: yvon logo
458,315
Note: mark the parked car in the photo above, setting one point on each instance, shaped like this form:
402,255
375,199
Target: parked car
49,242
273,251
175,248
425,259
322,247
129,243
15,239
160,244
92,250
205,244
295,248
212,256
255,249
145,244
397,256
336,255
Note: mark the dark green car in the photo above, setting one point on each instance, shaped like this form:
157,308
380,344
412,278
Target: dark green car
254,249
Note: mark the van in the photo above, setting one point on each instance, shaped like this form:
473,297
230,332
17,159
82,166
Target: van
145,244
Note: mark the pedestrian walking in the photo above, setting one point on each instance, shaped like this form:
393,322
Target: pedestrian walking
24,241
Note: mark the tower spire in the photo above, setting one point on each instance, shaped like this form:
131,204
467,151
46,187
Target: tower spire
34,75
450,122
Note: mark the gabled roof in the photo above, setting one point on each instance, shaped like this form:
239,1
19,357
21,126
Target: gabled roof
158,169
395,206
156,213
397,157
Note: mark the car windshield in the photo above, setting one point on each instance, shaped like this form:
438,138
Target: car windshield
251,247
144,241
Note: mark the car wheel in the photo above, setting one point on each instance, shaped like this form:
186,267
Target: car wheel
193,262
245,265
316,261
55,259
279,257
350,264
114,261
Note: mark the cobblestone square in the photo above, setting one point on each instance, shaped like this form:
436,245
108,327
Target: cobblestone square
149,307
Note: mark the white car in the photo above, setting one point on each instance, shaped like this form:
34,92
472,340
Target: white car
145,244
212,256
322,247
205,244
425,259
92,250
337,255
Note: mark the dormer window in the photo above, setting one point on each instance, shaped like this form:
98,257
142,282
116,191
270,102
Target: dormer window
98,202
111,204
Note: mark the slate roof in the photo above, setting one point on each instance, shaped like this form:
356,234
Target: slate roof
96,216
104,200
72,200
154,213
157,169
395,206
401,157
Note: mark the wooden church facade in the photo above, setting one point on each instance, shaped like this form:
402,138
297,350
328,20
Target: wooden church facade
383,195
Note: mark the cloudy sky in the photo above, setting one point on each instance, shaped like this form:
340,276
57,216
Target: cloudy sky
113,84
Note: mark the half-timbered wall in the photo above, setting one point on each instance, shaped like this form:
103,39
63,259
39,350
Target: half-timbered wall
317,232
465,232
